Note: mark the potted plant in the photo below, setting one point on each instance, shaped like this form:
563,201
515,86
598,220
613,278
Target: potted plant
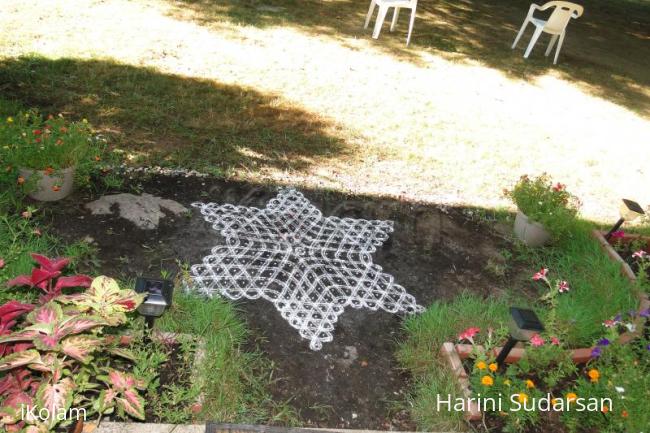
47,154
544,210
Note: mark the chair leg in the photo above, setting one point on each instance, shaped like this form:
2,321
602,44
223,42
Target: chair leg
381,16
370,11
550,45
521,32
408,38
559,46
395,18
533,40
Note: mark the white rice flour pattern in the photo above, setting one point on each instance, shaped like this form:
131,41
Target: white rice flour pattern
309,266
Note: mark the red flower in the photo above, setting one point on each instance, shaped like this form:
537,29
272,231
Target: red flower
56,188
537,341
469,334
619,234
541,275
20,180
555,341
37,132
37,140
559,187
2,263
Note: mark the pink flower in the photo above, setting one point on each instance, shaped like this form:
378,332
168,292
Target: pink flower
537,341
559,187
555,341
2,263
640,254
619,234
541,275
563,286
469,334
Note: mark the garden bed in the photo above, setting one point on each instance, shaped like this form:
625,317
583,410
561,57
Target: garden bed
353,382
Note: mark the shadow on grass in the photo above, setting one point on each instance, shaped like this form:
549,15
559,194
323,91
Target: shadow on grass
159,117
606,50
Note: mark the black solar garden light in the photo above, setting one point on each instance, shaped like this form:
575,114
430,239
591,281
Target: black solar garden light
629,210
523,325
158,297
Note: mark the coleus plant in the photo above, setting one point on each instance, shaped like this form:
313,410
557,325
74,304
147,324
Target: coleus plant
57,356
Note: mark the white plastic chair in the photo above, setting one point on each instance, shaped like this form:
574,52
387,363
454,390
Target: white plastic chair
556,24
384,5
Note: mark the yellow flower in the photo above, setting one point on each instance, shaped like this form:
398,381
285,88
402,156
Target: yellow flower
487,380
10,119
594,375
555,401
572,396
522,397
507,382
84,120
530,384
493,367
481,365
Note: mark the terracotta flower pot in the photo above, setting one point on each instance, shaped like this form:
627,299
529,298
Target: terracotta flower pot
530,232
50,187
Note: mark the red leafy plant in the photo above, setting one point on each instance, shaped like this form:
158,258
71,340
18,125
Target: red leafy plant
56,355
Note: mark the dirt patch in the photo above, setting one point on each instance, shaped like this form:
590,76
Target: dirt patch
354,381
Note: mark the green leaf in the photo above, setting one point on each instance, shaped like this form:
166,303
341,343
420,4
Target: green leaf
56,398
132,404
79,347
19,359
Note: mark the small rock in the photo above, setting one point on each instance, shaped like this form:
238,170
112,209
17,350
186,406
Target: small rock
145,211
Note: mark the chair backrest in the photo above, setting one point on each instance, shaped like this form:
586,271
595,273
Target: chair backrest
560,17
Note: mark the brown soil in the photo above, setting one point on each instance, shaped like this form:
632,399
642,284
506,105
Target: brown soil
354,381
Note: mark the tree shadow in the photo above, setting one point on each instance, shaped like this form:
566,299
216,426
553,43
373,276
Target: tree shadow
606,51
157,117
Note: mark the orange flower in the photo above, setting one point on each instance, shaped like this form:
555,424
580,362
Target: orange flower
605,409
59,142
481,365
572,396
63,129
56,188
522,397
530,384
97,158
624,414
594,375
20,180
487,380
493,367
555,401
48,171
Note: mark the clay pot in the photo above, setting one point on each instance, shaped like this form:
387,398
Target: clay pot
530,232
50,187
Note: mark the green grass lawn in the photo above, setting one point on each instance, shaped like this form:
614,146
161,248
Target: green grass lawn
297,92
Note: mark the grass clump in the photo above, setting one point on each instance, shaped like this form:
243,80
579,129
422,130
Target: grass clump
232,379
442,322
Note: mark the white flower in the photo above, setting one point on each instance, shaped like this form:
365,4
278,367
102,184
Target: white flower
630,327
619,389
